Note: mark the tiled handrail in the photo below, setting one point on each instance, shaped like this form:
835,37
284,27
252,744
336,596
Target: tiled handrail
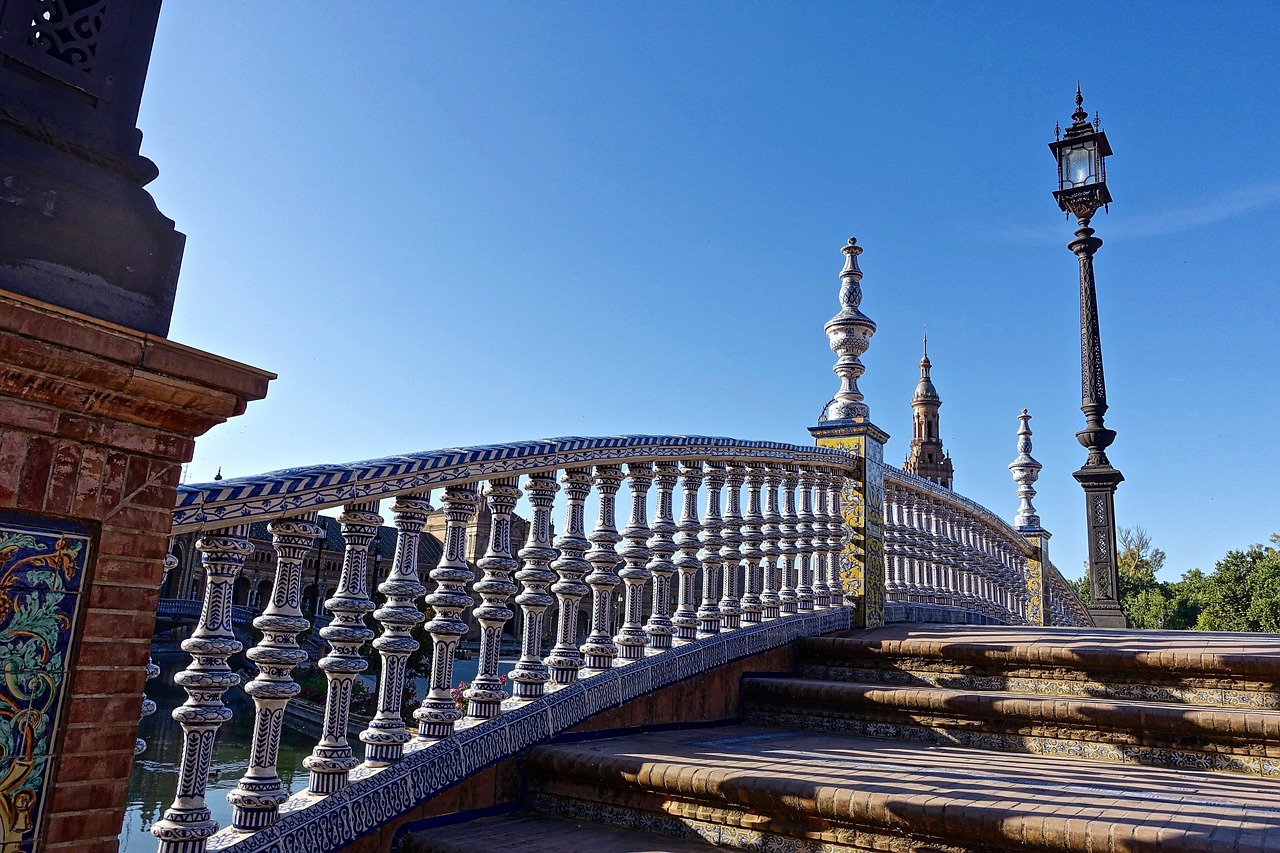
292,491
764,575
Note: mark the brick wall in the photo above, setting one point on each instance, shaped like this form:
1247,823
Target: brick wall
95,423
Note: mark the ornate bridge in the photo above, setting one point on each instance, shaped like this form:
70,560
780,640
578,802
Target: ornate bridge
772,542
186,611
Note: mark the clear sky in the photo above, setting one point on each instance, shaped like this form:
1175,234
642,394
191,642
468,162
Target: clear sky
459,224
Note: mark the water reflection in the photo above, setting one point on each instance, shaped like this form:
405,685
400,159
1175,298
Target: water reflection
155,772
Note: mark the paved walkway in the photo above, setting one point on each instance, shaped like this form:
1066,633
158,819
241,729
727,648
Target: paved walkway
962,795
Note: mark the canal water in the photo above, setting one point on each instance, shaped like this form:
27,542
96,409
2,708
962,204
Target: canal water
155,772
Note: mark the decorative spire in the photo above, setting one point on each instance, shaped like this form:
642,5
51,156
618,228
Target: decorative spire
1026,471
926,457
849,334
1080,118
218,476
925,392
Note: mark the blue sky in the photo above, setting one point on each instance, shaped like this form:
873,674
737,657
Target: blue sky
460,224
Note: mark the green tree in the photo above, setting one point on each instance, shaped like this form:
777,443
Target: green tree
1146,601
1243,593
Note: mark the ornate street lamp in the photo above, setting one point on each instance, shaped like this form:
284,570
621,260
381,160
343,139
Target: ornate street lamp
1081,153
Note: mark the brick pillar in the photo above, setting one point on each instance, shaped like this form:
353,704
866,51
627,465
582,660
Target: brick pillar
95,422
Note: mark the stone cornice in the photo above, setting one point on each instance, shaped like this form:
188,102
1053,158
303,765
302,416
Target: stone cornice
84,367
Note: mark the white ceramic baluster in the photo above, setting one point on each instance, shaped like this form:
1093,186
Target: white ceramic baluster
387,734
187,823
565,659
631,639
659,627
771,549
255,801
835,537
730,607
332,760
821,589
438,712
686,617
530,676
599,649
712,562
485,695
804,543
787,593
752,538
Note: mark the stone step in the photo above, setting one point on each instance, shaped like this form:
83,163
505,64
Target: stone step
1160,734
760,789
533,832
1187,667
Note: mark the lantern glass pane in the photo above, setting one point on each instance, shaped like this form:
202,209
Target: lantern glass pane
1077,168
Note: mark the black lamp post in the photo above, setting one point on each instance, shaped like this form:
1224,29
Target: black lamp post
1081,153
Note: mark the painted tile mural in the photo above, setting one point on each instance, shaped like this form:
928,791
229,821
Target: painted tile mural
42,566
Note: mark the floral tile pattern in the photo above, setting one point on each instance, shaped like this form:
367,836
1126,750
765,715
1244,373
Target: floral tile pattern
42,567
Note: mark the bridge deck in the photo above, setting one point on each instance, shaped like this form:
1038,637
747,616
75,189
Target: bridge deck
1003,800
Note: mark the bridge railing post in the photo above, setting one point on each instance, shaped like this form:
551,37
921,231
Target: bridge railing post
256,799
188,823
862,508
332,760
387,734
438,713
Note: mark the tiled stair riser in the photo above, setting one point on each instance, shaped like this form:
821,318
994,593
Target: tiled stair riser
1223,693
1078,744
729,829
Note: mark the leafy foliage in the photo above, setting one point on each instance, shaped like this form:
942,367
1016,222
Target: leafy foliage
1241,594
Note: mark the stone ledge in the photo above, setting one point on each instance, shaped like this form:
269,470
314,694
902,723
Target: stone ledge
74,363
1178,653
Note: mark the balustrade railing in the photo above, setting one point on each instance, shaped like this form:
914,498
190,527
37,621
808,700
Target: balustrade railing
553,575
943,550
717,586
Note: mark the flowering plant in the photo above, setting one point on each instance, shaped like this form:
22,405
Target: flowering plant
459,693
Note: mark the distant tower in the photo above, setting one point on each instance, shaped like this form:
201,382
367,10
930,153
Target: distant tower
927,458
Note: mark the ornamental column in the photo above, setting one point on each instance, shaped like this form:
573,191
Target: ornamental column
565,659
631,638
846,423
530,676
663,545
438,713
599,650
387,734
256,800
1026,470
332,759
188,823
485,695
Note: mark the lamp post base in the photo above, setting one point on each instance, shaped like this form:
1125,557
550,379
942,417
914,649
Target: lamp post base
1107,614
